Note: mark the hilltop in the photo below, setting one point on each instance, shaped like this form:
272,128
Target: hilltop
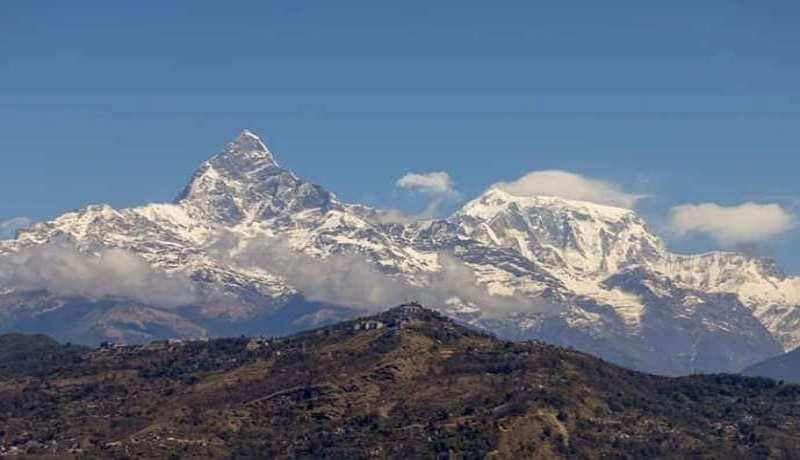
408,381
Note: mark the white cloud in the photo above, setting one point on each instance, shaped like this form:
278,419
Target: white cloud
436,185
432,183
111,273
571,186
744,223
9,227
350,280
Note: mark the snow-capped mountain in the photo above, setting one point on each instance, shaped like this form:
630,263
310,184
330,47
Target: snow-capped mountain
248,247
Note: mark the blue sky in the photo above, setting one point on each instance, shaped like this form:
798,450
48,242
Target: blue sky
119,102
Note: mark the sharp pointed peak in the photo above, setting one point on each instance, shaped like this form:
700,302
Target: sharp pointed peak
248,144
246,155
246,152
248,137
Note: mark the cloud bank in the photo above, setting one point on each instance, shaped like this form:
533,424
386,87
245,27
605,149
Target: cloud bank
350,280
110,273
571,186
730,225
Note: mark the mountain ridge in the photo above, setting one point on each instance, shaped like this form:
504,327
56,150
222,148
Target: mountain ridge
405,382
576,273
785,367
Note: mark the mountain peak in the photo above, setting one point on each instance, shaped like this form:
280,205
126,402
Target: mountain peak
249,138
495,200
246,150
244,183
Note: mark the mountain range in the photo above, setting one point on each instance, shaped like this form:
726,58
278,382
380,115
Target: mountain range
407,382
248,247
784,367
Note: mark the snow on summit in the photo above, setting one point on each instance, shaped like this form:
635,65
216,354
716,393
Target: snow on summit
263,250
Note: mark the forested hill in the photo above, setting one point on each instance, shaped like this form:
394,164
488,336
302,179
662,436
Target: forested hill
406,382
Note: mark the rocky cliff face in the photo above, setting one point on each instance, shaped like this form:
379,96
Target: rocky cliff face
255,249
